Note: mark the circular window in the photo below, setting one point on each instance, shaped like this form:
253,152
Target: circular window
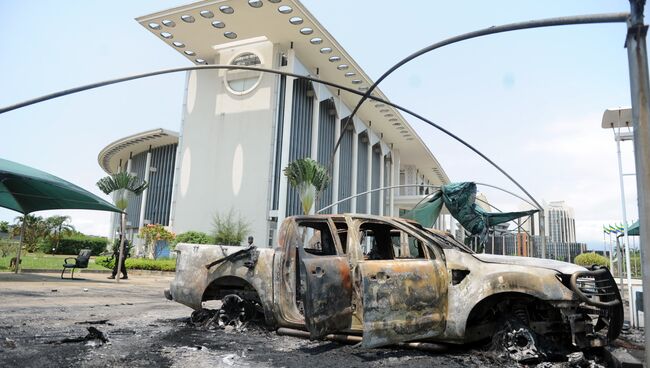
241,81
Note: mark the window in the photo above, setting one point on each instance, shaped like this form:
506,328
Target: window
317,238
243,81
379,241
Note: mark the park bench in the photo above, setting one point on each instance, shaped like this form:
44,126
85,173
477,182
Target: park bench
81,261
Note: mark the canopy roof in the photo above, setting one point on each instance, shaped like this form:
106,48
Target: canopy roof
122,149
460,200
25,190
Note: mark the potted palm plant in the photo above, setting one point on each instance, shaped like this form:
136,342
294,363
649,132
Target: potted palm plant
121,184
310,179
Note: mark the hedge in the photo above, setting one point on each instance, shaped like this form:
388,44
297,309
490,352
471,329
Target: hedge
140,263
72,245
588,259
193,237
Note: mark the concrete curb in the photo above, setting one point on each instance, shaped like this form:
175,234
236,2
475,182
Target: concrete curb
79,271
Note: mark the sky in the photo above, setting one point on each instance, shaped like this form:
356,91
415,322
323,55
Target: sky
530,100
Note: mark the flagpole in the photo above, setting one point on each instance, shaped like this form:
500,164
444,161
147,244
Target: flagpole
611,252
611,262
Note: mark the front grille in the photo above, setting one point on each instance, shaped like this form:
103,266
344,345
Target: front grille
596,287
599,292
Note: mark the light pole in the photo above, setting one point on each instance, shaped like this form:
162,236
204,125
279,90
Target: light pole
640,93
616,119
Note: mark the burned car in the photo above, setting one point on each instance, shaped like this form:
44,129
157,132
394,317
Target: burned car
391,281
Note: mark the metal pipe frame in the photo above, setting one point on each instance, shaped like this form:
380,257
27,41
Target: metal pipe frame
550,22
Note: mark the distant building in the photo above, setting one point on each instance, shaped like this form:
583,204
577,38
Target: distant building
560,222
560,231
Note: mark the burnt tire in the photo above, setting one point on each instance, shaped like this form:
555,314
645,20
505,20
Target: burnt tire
516,341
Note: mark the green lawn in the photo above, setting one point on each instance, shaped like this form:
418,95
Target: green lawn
44,261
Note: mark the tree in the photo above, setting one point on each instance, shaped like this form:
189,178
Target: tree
4,227
120,185
35,229
59,225
310,179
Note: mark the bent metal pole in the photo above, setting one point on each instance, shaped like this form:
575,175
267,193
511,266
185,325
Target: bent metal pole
640,92
561,21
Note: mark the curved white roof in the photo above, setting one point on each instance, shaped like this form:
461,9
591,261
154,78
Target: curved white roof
197,30
110,157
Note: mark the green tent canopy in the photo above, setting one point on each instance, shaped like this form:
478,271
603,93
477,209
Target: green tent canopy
459,198
633,229
25,190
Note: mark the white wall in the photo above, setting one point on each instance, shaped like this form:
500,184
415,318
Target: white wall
226,148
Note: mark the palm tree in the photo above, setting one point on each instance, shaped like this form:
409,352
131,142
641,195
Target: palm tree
35,229
58,225
121,184
310,179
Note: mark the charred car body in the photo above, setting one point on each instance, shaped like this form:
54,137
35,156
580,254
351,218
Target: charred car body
391,281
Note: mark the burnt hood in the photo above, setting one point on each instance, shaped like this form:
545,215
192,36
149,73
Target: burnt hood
562,267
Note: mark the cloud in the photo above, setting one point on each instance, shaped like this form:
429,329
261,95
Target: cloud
582,158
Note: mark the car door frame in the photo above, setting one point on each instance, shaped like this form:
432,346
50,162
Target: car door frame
402,299
327,299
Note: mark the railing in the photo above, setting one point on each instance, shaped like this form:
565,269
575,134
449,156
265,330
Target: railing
522,244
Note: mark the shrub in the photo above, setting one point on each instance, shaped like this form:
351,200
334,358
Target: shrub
229,229
140,263
193,237
588,259
73,244
8,247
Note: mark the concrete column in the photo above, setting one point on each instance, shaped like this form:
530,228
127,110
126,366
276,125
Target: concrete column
143,205
179,152
336,164
393,182
314,128
381,184
286,136
355,160
368,208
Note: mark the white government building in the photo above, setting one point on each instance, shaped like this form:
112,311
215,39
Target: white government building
240,128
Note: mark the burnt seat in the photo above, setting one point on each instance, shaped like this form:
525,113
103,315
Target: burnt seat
81,261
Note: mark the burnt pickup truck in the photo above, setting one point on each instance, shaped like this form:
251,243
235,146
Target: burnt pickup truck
391,281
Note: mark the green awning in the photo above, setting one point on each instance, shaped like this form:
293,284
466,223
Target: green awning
633,229
25,190
459,198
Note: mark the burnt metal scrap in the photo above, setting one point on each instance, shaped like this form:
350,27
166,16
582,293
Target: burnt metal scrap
94,338
246,252
388,281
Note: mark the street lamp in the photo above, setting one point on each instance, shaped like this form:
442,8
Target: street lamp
616,119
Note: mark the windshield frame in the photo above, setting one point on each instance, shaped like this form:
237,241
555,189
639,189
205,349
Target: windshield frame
445,241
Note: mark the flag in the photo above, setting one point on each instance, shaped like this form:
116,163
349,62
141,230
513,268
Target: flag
620,228
605,229
612,229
